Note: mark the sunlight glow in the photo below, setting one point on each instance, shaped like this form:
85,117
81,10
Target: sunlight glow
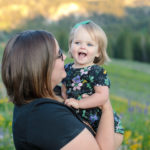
65,10
23,9
134,3
129,2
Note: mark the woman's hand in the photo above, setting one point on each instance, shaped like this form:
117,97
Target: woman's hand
106,106
105,132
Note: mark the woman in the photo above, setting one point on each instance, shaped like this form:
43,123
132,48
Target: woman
32,66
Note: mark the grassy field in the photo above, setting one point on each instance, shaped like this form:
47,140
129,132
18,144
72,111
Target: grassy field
129,93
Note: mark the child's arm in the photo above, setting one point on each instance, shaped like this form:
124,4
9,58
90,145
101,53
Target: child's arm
99,98
63,92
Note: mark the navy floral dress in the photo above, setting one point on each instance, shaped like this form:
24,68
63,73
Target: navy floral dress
81,81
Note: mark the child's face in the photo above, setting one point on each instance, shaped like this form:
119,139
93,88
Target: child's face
83,48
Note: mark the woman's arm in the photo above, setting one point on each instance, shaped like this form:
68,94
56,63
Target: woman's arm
83,141
99,98
105,134
104,139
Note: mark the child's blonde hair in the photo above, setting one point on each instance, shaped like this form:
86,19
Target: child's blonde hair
96,34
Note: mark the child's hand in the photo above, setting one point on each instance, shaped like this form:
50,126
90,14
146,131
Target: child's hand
72,102
85,95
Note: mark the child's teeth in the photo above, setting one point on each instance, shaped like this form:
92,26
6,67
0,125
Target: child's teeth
82,55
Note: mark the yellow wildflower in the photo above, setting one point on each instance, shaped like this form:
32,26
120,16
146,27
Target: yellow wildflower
4,100
135,140
84,81
10,124
105,72
135,146
149,142
127,135
1,119
147,122
140,137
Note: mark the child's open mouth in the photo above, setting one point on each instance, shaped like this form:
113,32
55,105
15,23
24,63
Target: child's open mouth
82,55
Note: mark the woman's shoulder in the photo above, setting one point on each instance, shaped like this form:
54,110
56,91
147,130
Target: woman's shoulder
57,119
45,107
40,107
48,121
47,104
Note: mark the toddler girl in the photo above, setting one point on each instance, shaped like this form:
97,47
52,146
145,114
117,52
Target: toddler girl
87,46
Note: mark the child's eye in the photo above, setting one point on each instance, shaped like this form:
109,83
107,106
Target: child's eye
77,42
89,44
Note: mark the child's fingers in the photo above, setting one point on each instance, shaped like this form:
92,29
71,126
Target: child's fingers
72,102
85,95
67,102
100,107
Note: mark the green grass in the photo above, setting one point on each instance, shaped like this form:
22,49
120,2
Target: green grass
132,82
129,94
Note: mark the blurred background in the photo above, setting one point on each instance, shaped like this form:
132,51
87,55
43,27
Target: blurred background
127,26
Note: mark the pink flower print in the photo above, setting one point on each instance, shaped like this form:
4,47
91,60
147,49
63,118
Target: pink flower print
76,83
76,86
84,71
89,68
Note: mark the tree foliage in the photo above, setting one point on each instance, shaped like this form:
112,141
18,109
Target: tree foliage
128,36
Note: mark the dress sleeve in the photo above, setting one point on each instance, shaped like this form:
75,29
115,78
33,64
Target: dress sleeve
101,77
52,126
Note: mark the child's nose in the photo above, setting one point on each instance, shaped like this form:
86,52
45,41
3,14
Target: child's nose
83,46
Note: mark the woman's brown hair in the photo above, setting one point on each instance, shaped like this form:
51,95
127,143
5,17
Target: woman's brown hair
27,66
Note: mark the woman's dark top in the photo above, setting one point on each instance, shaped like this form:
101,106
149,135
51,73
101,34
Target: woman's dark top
44,124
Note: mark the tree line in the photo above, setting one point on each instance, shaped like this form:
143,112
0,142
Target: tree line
128,36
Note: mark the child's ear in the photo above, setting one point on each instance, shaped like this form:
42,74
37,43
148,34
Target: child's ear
98,54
